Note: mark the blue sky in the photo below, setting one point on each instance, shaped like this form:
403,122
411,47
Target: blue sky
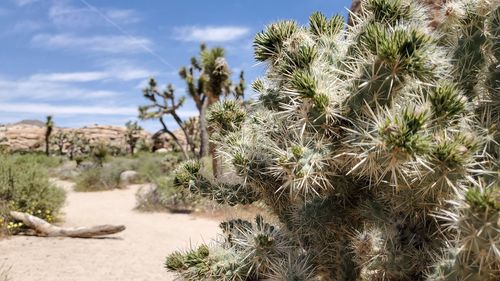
86,61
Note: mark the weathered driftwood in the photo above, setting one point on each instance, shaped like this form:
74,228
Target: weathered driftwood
43,228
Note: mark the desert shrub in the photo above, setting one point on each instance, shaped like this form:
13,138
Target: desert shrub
100,151
149,167
157,169
47,162
4,217
99,178
165,196
25,187
376,146
67,171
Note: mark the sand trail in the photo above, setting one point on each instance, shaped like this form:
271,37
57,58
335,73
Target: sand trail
137,254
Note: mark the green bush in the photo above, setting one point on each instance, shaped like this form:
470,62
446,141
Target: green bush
47,162
376,146
4,218
165,196
100,178
25,187
149,167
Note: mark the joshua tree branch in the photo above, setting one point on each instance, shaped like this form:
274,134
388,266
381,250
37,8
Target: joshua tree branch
174,138
43,228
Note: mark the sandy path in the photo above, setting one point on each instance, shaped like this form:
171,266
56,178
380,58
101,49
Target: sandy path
137,254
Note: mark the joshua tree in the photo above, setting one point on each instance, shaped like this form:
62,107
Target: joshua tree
132,135
49,127
376,147
208,79
161,104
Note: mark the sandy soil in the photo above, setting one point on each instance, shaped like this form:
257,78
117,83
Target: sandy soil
137,254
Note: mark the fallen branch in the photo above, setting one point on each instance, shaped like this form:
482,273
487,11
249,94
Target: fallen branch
43,228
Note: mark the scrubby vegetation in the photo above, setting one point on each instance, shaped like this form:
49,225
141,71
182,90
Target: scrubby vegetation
25,187
106,176
376,146
164,196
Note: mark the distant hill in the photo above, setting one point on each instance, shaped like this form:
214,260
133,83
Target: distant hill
37,123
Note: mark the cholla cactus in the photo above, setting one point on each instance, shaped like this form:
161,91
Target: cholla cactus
78,146
375,146
60,140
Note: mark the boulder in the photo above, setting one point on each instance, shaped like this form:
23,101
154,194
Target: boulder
127,177
162,151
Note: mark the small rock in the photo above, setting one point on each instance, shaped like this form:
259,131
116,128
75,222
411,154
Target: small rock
84,166
162,151
128,176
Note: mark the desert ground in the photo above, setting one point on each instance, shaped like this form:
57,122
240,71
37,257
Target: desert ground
137,254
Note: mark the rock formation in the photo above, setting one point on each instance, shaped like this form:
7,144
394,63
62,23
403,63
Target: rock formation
25,136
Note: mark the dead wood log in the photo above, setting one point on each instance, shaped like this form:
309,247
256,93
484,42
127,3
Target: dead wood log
43,228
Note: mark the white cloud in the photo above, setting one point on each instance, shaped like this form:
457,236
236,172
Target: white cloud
71,76
210,33
36,89
123,16
22,3
64,15
107,44
126,70
27,26
127,73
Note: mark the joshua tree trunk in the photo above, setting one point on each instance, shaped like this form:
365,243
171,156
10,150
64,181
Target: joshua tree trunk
47,149
203,130
49,126
212,147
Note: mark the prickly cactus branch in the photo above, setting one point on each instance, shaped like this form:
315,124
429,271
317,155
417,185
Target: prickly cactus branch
376,146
